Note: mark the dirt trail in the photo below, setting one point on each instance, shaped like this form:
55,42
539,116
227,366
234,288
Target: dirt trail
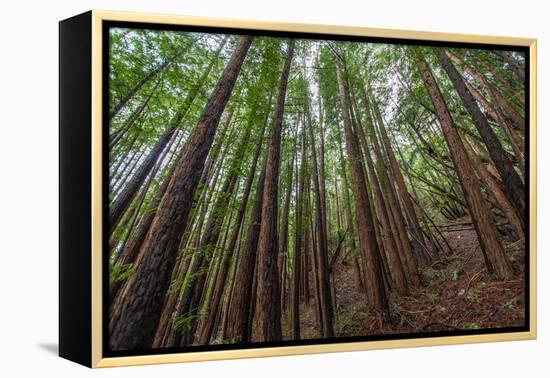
458,294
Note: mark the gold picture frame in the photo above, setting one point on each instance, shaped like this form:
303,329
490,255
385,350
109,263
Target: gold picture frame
96,19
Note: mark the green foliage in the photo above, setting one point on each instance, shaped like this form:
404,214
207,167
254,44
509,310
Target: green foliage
430,274
471,325
432,297
472,295
120,272
184,322
194,275
511,304
455,274
351,318
187,250
353,254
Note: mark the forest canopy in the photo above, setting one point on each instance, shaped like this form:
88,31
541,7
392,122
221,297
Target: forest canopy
269,189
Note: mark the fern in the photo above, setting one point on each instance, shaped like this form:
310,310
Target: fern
121,272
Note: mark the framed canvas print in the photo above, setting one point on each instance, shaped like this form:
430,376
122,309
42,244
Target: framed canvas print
235,189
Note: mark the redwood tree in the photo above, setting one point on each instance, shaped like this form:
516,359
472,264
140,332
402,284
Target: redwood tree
269,305
493,252
137,308
370,252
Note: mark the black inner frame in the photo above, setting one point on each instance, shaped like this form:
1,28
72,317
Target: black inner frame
107,25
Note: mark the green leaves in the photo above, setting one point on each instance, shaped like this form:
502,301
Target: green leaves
185,321
432,297
511,304
120,272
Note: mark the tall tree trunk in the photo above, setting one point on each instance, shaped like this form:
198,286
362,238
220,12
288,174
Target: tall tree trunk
283,237
233,280
125,198
130,190
495,257
137,308
299,247
396,219
208,325
190,241
151,74
511,113
190,298
311,246
269,305
416,230
495,113
209,179
242,295
322,184
117,136
120,159
497,191
129,252
377,232
322,248
514,91
369,247
309,259
337,211
358,278
121,179
513,63
395,264
203,302
513,185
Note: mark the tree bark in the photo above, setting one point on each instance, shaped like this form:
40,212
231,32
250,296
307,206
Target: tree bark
513,63
129,252
511,112
269,305
190,298
513,185
368,245
358,280
126,196
497,191
208,325
322,248
283,237
137,308
242,296
404,194
298,244
191,237
395,264
495,257
395,214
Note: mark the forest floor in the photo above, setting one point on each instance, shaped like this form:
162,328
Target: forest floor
457,294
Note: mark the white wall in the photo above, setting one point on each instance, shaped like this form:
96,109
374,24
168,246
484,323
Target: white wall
28,185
